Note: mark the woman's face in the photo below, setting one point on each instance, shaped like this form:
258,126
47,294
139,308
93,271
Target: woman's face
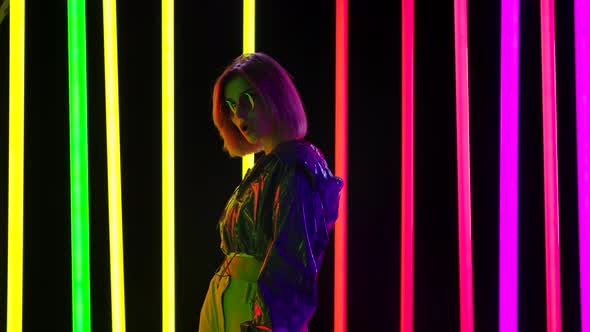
247,110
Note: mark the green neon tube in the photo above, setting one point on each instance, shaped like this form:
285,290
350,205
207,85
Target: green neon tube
79,166
14,296
114,166
168,316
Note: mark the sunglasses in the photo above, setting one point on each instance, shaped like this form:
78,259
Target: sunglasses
245,103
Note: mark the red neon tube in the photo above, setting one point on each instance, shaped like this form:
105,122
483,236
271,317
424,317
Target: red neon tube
463,172
552,276
340,269
407,203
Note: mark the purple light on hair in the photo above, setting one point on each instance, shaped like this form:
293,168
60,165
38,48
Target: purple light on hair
509,168
582,34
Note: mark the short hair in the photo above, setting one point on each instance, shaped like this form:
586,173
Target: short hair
277,92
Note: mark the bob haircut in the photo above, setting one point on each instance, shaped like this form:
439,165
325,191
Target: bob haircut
277,93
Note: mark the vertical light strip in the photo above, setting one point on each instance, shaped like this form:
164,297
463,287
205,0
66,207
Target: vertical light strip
249,35
341,165
168,298
114,165
16,145
463,172
249,28
79,166
407,202
582,31
508,256
552,277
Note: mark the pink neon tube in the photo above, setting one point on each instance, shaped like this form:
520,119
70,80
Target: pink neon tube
552,285
463,173
340,268
407,203
508,300
582,31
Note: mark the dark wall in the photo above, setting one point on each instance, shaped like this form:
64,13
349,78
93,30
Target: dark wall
300,35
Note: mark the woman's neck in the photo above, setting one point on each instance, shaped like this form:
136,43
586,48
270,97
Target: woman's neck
270,143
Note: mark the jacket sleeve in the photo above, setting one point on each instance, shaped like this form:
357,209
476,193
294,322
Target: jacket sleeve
287,281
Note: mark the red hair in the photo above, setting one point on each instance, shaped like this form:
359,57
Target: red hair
278,93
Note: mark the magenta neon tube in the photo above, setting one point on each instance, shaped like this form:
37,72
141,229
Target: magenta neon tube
508,264
552,276
407,201
341,133
463,172
582,34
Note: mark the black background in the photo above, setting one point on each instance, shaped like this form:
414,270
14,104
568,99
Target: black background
300,35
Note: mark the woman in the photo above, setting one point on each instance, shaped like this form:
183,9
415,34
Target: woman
277,223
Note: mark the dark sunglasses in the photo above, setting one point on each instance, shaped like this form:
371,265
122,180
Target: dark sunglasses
245,103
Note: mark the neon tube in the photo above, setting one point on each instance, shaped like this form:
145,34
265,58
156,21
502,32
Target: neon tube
582,31
79,166
508,297
168,308
114,166
16,137
249,35
249,28
463,172
553,290
407,203
341,164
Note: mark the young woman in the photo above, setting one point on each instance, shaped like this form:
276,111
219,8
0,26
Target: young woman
277,223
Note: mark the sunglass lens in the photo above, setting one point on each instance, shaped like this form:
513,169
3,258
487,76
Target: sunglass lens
246,102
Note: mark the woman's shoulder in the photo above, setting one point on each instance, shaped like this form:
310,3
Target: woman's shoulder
301,157
303,160
299,152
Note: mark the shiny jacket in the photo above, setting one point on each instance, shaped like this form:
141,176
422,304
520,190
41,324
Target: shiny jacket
282,213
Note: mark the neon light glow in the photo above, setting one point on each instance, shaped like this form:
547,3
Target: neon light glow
407,203
341,163
79,166
114,166
463,172
249,29
168,308
552,285
508,301
582,34
16,145
249,35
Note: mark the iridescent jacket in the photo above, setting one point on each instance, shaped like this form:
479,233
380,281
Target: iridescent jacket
282,213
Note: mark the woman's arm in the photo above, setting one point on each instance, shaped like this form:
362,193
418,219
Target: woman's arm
287,282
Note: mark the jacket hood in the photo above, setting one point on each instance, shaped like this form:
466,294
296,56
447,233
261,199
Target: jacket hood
309,158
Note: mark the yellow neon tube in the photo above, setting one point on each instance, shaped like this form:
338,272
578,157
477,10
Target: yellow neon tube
168,166
248,36
114,165
16,137
249,25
